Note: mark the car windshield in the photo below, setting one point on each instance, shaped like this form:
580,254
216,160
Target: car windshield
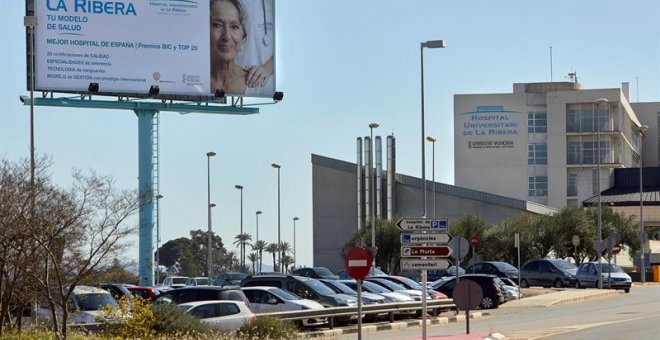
236,276
281,293
374,287
410,282
179,280
563,265
389,284
440,281
610,268
324,272
202,281
95,301
319,287
340,287
505,267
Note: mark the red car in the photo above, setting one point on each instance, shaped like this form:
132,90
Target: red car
145,292
412,284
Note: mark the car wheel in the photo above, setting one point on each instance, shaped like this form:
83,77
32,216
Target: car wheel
558,284
524,284
627,290
577,284
488,303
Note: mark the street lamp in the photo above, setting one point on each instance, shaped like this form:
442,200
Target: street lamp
209,236
432,140
372,195
428,44
294,240
598,103
258,213
279,242
158,197
642,265
240,187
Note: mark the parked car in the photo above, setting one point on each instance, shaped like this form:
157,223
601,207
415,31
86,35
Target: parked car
198,281
490,288
230,278
85,305
223,315
513,291
497,268
433,275
367,298
409,283
175,281
117,290
201,293
373,288
304,287
548,273
145,292
395,287
316,273
273,299
612,276
343,275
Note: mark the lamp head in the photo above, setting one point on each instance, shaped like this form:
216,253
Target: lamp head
210,154
434,44
219,93
259,212
154,90
278,96
239,187
276,166
159,197
93,88
212,205
430,139
374,125
295,218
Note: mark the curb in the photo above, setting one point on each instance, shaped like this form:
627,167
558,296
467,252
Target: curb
603,294
495,336
338,332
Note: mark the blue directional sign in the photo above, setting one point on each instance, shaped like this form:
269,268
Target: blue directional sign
426,224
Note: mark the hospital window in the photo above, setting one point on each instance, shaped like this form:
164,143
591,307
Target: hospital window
537,122
538,186
537,154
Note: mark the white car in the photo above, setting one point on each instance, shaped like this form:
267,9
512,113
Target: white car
377,289
226,315
175,281
85,305
273,299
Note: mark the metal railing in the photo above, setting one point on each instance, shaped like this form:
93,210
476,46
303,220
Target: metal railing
331,313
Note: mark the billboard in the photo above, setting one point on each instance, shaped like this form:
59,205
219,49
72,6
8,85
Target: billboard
185,47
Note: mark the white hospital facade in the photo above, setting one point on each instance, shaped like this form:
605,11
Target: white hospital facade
541,143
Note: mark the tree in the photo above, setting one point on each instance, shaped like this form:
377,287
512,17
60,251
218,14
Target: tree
273,249
241,240
287,260
259,246
68,234
254,258
387,240
468,226
284,249
231,260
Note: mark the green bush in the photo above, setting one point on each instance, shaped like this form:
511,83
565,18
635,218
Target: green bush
172,320
267,328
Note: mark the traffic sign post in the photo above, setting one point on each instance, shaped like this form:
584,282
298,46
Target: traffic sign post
426,251
420,224
358,263
415,238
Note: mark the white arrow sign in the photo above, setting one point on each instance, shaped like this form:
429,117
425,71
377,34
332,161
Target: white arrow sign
430,224
424,264
408,238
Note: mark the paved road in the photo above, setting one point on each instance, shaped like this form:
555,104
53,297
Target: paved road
617,316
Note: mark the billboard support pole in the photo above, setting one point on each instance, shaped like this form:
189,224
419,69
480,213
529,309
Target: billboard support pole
145,171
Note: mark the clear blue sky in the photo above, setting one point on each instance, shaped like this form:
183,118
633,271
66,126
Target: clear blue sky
342,64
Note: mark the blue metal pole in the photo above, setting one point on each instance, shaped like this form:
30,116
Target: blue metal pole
145,171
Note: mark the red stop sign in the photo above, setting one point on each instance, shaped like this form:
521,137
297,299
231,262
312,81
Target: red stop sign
358,263
616,249
474,241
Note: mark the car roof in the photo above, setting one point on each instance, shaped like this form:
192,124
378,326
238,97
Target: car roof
89,290
198,303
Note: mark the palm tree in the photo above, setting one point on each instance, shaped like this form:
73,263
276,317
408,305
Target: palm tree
285,249
273,249
241,240
259,246
253,257
286,262
231,259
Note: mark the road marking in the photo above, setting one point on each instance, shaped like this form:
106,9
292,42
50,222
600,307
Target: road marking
542,333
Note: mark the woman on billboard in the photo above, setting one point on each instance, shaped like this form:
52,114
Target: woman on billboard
238,64
227,38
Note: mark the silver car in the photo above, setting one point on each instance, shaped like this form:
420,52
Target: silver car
613,276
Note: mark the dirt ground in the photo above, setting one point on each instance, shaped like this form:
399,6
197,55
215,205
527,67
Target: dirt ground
534,291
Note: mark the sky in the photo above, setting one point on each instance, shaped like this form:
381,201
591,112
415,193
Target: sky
342,65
